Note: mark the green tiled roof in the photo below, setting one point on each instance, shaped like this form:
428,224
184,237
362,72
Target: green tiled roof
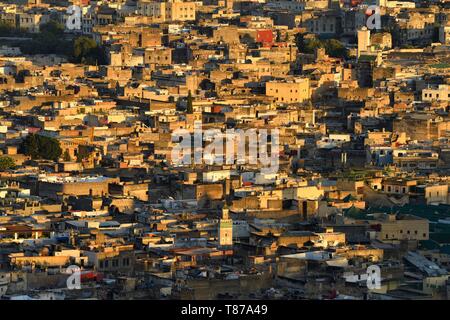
432,213
445,249
440,237
429,245
356,213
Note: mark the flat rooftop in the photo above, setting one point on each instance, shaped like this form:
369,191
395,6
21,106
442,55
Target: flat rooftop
73,179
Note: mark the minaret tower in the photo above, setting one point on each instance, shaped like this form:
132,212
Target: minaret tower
225,228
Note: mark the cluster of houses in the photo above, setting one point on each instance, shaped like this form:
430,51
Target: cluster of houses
357,119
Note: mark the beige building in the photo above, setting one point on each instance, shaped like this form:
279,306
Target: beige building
397,186
8,18
444,34
289,91
31,22
382,40
158,55
174,10
440,93
363,40
432,194
405,227
225,229
112,259
55,187
421,126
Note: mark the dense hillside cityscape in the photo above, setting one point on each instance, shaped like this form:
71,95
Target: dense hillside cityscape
224,150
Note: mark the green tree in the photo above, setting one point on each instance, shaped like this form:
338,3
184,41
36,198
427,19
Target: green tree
335,48
83,153
49,40
6,163
6,29
53,27
312,44
30,146
10,30
41,147
206,84
86,50
300,41
190,107
66,156
278,38
21,74
49,148
247,39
